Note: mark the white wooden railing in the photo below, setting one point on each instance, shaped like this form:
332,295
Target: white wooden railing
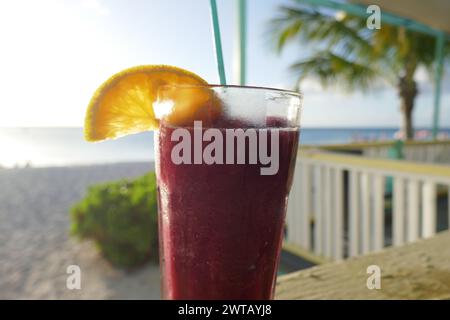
437,151
338,204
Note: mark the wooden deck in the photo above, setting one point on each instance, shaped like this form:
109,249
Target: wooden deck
419,270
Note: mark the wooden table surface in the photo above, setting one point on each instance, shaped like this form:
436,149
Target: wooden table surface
419,270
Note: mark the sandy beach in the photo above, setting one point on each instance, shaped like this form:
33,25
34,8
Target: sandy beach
35,246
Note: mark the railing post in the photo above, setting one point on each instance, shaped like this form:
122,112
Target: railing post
338,225
328,215
318,210
365,212
354,213
292,209
398,221
429,209
297,204
378,228
413,210
305,208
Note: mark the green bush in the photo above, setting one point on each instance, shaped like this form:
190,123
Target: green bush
121,217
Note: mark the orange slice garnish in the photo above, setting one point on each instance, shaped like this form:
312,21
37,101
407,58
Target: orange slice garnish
124,104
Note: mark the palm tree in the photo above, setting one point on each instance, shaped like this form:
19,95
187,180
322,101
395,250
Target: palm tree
352,56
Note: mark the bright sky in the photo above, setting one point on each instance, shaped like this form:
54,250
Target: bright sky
54,54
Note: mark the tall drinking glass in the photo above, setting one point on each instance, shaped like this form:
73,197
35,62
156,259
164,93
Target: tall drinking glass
223,186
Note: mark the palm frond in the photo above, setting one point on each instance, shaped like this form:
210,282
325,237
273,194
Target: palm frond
290,23
331,69
311,26
347,52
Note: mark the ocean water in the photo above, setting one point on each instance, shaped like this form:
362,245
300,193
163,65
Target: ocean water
66,146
